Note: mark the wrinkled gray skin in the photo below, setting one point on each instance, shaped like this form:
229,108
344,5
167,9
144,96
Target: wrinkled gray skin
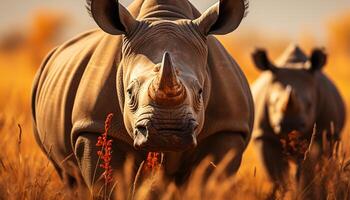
172,88
293,95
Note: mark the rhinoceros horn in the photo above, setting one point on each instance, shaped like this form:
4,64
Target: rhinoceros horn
287,97
166,88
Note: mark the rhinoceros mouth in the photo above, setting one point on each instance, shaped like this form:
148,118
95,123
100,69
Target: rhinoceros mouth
178,137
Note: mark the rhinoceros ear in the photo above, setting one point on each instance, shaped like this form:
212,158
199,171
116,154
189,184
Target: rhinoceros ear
111,16
223,17
318,59
262,61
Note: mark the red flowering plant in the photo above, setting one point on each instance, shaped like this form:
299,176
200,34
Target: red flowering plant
153,161
152,164
105,153
294,145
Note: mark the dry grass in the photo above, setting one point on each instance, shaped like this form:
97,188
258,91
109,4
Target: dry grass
25,173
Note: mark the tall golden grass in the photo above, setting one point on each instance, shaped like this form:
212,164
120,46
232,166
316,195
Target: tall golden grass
25,173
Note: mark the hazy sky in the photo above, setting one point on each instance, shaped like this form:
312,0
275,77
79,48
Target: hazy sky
288,17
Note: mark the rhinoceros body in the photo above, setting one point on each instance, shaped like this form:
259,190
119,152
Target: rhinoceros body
84,79
292,97
330,106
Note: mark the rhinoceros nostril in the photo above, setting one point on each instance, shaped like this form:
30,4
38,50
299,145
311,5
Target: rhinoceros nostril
195,127
141,136
142,129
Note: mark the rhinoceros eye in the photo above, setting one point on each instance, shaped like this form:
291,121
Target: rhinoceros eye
200,92
132,93
198,95
129,92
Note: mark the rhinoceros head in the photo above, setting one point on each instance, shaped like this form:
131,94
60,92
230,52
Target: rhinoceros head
292,95
164,84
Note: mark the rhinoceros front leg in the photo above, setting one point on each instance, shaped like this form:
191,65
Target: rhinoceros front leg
309,181
275,162
217,146
89,164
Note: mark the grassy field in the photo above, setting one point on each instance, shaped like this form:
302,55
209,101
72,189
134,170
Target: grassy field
25,173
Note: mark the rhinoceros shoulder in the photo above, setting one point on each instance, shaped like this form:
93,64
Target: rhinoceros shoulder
259,90
96,95
230,106
77,88
331,107
260,85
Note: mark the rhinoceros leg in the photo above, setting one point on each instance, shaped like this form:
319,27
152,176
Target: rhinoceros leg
308,187
88,161
275,162
308,181
42,148
217,146
68,179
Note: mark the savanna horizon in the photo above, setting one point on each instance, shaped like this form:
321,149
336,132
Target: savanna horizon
27,173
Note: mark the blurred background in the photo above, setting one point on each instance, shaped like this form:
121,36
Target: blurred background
30,28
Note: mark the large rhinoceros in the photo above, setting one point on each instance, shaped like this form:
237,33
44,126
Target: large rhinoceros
291,96
172,87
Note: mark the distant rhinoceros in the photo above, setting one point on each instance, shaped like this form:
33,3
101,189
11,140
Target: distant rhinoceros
172,87
291,96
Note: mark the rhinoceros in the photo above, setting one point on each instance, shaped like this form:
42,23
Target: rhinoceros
293,96
171,85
